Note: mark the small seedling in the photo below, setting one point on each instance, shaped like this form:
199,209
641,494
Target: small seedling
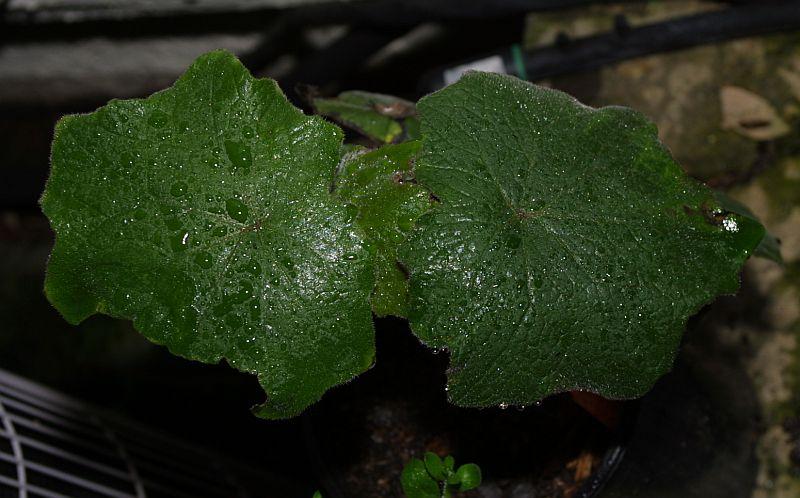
437,478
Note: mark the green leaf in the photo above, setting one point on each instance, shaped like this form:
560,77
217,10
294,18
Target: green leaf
317,494
435,466
383,118
382,186
449,463
203,214
416,481
568,249
469,476
770,246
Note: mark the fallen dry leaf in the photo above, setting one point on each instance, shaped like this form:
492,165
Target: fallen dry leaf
582,466
750,114
792,79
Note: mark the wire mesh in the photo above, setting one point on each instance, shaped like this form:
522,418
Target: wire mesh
53,446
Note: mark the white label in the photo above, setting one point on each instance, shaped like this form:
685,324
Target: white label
493,64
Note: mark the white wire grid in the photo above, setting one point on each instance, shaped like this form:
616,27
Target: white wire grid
52,446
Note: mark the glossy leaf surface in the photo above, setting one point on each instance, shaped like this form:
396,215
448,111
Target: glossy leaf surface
382,186
468,476
416,481
770,246
203,214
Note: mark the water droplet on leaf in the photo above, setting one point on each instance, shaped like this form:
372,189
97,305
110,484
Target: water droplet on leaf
179,242
239,154
179,189
237,210
203,260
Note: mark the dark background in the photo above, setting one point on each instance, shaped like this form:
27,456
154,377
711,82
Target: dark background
672,60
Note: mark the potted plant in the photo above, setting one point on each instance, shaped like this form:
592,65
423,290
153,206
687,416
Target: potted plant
547,247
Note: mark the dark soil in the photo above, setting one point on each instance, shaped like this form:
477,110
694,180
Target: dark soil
363,433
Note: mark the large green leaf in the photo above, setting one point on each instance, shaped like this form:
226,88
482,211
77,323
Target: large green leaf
203,214
568,250
382,186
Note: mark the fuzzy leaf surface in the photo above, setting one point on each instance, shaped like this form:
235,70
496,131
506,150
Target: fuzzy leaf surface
568,250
